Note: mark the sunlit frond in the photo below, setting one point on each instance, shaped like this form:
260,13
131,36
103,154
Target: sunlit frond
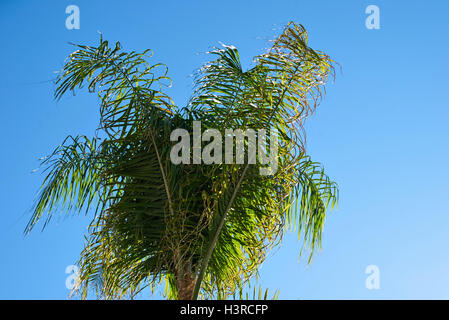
203,230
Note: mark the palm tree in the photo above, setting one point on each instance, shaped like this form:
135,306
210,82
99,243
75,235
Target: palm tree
201,229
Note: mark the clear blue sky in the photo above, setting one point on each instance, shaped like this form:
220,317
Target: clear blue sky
381,133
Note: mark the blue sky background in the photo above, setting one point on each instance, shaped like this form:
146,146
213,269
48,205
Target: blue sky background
381,132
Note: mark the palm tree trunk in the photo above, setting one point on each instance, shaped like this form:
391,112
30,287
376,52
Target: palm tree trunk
186,285
185,282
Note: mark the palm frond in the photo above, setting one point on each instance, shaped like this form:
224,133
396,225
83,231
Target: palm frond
207,225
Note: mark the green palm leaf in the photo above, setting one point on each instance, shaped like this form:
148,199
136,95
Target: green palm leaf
202,229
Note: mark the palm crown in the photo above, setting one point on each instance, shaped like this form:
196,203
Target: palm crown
203,229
